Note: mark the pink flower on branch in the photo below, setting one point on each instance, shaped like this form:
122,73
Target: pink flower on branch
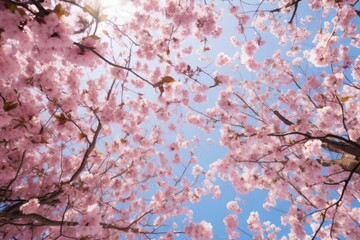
113,125
202,230
31,206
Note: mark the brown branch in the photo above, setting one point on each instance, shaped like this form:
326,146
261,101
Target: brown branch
16,176
332,148
295,2
252,109
294,12
110,90
23,5
92,49
87,154
138,219
123,229
347,162
347,146
55,223
40,7
298,191
320,225
342,113
350,150
282,118
63,215
357,166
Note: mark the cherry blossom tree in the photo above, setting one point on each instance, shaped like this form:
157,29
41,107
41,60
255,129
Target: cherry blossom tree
94,107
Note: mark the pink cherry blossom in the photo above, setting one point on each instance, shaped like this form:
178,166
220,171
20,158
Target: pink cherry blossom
118,120
231,223
222,60
234,207
202,230
30,207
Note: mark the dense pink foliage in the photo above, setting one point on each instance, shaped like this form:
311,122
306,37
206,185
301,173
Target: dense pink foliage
102,117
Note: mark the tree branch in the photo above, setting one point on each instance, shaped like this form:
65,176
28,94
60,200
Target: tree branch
92,49
87,154
16,176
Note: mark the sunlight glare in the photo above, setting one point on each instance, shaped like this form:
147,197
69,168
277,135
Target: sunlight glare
118,8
